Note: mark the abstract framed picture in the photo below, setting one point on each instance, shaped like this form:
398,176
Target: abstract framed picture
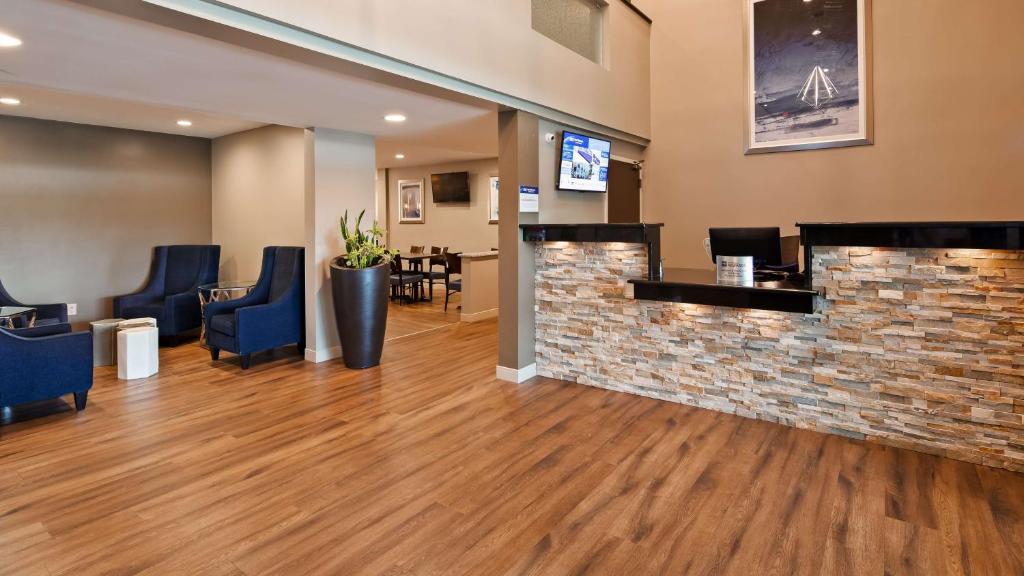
410,202
492,201
808,74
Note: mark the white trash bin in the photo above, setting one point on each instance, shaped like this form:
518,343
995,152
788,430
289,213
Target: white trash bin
138,354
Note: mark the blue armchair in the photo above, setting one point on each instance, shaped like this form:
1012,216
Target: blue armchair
45,362
172,293
46,314
271,315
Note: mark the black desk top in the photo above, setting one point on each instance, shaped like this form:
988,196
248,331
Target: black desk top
698,286
990,235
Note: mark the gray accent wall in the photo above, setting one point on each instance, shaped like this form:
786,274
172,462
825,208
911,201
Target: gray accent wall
81,208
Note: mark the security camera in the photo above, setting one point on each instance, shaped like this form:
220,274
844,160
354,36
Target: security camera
549,137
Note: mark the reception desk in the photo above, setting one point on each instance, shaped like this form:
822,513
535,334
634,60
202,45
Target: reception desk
907,334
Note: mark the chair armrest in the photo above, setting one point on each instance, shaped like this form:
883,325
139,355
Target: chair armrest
144,296
58,311
46,366
265,318
39,331
252,299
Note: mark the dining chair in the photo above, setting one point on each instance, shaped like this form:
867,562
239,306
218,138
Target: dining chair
402,279
430,275
453,266
416,249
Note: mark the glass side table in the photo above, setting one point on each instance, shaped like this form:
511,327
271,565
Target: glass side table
219,292
8,314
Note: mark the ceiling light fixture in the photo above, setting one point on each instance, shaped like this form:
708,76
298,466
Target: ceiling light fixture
817,31
184,123
395,118
8,41
10,101
399,156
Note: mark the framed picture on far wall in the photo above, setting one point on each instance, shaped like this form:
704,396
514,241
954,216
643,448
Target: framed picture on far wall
492,201
410,202
808,74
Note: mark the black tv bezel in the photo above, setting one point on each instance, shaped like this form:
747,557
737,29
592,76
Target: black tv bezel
469,188
558,163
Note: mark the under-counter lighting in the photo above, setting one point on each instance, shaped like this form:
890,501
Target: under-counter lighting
8,41
184,123
399,156
8,101
396,118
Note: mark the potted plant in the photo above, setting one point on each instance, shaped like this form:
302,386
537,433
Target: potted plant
359,284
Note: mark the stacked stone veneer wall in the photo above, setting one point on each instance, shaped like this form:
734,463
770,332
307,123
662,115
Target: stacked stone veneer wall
916,348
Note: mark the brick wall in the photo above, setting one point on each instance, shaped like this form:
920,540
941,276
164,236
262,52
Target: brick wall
922,349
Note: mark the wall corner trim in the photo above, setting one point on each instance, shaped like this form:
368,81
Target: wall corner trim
517,376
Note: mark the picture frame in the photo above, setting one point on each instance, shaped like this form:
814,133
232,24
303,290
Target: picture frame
808,75
411,203
492,201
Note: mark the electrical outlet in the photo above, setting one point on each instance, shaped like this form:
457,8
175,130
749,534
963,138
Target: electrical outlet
72,309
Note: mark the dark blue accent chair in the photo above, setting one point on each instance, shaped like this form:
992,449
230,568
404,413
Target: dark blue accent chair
46,314
271,315
172,293
45,362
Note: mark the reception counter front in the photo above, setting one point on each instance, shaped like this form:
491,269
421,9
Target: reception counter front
908,334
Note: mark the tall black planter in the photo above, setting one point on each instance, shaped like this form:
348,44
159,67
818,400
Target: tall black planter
360,311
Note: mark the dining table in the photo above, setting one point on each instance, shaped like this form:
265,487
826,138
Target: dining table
416,265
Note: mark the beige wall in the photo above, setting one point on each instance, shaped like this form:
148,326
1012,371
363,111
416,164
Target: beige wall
492,44
461,227
84,206
949,125
258,195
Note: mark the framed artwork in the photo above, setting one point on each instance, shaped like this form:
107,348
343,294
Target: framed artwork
808,74
410,201
492,202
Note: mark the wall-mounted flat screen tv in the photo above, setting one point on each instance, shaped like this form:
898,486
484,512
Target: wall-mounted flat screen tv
583,165
450,187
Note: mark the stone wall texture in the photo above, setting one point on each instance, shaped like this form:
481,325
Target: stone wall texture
917,348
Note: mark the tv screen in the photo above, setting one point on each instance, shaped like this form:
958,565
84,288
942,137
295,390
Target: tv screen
584,163
451,187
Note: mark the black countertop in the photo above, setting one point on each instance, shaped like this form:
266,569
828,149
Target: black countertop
991,235
697,286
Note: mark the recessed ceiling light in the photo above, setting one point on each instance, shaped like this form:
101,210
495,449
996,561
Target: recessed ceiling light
8,41
816,32
10,101
399,156
395,117
184,123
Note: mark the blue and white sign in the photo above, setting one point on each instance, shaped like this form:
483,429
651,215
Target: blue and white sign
529,199
584,163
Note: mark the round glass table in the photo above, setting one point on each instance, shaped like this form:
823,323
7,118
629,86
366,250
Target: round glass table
219,292
8,314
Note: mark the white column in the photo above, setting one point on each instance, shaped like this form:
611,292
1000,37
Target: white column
340,176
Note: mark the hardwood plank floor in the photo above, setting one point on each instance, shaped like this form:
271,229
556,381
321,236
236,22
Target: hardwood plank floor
427,465
418,317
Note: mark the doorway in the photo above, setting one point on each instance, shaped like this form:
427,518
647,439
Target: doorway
623,192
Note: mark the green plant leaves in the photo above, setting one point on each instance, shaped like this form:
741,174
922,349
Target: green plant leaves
363,249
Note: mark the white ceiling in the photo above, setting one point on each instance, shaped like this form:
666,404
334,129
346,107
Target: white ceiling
87,65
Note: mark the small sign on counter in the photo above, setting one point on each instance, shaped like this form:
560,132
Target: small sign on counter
529,199
736,270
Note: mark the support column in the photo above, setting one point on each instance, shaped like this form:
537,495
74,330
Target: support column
517,166
340,175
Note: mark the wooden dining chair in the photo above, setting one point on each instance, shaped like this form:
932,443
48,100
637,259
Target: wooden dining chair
416,250
402,279
430,275
453,266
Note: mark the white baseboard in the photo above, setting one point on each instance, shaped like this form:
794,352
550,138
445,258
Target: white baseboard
324,355
478,316
518,376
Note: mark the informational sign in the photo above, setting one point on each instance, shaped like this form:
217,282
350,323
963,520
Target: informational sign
736,270
529,199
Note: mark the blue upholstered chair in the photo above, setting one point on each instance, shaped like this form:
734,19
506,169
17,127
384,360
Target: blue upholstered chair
172,293
45,362
46,314
271,315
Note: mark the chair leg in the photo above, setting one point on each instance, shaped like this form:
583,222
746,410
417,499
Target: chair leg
446,294
301,347
245,361
80,399
214,353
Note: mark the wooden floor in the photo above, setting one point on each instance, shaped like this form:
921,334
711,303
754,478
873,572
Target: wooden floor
418,317
428,465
